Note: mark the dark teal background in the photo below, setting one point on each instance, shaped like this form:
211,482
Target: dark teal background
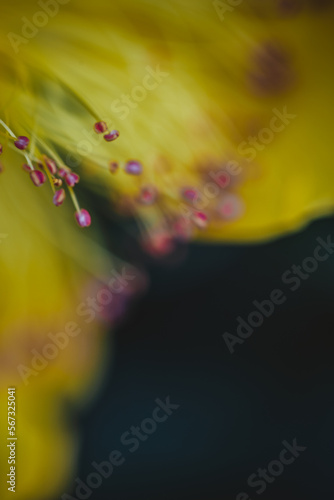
235,410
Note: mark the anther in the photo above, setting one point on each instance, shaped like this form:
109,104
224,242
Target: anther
111,136
133,167
148,195
100,127
59,197
200,220
51,165
83,218
37,177
113,166
189,194
21,142
27,167
71,179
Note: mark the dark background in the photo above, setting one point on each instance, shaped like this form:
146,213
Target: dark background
235,409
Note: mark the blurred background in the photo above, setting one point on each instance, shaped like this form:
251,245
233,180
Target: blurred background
166,171
235,409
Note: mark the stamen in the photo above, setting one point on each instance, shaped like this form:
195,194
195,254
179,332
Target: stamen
59,197
28,160
100,127
83,218
189,194
49,175
71,179
133,167
51,165
10,132
38,177
63,171
0,149
22,142
200,220
74,199
27,167
231,207
113,166
111,136
148,195
159,243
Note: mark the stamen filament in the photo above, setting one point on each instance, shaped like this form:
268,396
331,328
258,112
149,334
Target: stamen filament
74,199
11,133
48,174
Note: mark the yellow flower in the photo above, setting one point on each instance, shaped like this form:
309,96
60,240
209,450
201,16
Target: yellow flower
191,86
224,123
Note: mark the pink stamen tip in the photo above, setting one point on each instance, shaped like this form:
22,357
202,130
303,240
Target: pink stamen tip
159,244
232,207
224,179
111,136
27,167
113,166
148,195
133,167
59,197
63,171
0,149
21,142
200,219
83,218
37,177
71,179
189,193
51,165
100,127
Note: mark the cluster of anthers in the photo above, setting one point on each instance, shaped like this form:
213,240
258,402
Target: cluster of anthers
159,236
42,168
